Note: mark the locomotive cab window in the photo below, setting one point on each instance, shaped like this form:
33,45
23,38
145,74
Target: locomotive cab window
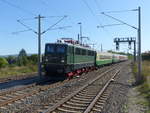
53,49
50,49
60,49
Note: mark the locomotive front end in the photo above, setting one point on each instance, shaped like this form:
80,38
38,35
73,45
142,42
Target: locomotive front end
55,59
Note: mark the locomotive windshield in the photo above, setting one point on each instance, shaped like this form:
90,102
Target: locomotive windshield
51,49
60,49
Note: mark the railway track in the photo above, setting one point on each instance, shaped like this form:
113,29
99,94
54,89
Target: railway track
89,98
16,95
10,96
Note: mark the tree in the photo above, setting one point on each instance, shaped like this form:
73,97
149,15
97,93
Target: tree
22,58
11,60
3,62
33,59
146,55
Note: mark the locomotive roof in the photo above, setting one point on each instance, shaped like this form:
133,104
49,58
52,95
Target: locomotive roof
76,45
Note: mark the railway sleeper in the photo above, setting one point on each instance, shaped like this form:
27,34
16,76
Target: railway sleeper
99,103
77,104
5,98
97,110
84,96
10,96
102,101
1,100
87,95
79,101
83,99
74,107
68,110
99,106
89,92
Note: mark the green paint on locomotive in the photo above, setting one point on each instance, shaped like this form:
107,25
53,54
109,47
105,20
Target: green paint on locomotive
79,55
73,57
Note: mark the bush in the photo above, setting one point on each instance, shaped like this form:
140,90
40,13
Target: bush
146,55
33,59
3,62
11,60
22,58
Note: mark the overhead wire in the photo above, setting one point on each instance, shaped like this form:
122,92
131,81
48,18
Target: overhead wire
26,26
121,11
17,32
44,2
17,7
90,9
54,25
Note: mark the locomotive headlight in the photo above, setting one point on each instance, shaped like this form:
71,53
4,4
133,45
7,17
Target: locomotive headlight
46,59
62,61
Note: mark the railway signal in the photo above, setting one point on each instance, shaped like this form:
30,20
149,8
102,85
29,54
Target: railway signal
129,40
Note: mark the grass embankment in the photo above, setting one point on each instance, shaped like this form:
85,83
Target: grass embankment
144,88
16,70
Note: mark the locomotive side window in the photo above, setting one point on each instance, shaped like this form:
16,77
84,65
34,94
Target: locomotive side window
70,50
89,53
92,53
78,52
83,52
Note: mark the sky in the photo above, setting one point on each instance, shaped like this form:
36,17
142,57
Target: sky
88,12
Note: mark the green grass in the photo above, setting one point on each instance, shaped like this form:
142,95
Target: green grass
144,87
16,70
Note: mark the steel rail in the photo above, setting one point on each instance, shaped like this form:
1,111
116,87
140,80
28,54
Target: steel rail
9,91
25,94
89,108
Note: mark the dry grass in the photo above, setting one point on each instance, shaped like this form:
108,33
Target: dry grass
16,70
144,88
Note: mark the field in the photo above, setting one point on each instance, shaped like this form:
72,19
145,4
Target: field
17,70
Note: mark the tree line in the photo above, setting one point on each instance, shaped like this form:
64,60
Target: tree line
21,60
146,56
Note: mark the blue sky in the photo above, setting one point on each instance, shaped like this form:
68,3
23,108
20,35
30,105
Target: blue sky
77,11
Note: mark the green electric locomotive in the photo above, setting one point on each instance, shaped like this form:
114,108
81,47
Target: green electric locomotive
67,58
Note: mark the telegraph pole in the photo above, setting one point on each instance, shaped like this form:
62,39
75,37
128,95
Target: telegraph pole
39,33
39,46
139,76
80,31
101,48
139,59
134,51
